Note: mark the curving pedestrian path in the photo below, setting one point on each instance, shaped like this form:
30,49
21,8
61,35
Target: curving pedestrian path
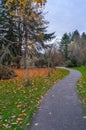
61,108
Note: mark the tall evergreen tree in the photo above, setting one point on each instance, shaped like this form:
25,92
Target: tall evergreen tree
25,26
75,35
83,36
8,32
64,44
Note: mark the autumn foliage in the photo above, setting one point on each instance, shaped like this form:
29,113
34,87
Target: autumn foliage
18,103
33,72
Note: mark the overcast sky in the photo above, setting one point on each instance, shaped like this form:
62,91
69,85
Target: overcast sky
66,16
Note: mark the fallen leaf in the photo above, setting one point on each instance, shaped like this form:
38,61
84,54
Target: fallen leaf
19,119
23,114
0,117
50,113
6,125
84,117
36,124
13,117
14,123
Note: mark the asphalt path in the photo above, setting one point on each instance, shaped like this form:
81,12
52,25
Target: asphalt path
61,107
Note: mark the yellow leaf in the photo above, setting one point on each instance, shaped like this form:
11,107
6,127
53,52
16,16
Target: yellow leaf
19,119
13,117
14,123
23,114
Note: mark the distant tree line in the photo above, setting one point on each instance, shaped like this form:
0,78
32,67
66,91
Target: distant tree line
73,48
70,52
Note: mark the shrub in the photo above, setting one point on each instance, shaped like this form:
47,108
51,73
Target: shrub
6,73
68,63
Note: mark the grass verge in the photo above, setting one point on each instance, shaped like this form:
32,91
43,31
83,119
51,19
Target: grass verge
81,86
19,103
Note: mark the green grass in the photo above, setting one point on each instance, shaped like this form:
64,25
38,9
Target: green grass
19,103
81,87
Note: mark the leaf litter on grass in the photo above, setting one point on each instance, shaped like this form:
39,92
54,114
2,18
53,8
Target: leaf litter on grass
18,103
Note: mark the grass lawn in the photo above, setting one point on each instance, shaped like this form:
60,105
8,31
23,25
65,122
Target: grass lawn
19,103
82,84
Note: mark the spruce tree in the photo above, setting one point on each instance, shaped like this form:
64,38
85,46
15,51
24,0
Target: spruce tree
64,44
